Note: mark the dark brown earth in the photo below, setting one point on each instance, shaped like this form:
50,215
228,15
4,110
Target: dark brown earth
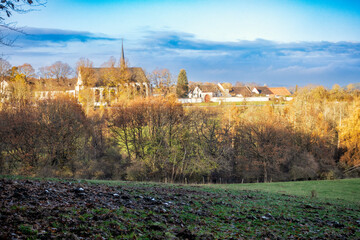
43,209
33,203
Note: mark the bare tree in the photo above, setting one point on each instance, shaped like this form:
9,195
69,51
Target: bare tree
4,68
83,63
85,67
162,81
110,63
263,144
44,72
27,70
7,8
19,134
60,71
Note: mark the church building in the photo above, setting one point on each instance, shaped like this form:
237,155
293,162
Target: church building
106,83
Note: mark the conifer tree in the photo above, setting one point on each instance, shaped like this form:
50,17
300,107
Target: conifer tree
182,86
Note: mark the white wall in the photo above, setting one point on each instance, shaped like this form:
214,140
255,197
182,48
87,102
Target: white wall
229,99
240,99
190,100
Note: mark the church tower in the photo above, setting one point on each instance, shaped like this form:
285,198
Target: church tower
122,59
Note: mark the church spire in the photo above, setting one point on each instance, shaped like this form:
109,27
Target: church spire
122,60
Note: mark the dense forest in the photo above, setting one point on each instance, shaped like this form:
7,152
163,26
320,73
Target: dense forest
315,136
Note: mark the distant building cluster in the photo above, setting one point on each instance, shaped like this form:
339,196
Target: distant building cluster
217,93
101,94
104,85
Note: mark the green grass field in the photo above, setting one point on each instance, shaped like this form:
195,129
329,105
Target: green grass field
339,190
344,189
91,209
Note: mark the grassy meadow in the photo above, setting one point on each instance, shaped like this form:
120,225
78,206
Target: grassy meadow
48,208
343,190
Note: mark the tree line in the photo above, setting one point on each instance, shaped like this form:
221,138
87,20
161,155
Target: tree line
61,76
315,136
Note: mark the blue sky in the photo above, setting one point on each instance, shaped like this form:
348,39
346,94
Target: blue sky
273,42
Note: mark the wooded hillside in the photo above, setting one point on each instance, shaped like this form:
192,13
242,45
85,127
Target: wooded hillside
315,136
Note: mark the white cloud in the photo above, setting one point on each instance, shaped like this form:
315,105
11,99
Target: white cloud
260,60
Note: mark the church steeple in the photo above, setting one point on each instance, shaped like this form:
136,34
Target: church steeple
122,60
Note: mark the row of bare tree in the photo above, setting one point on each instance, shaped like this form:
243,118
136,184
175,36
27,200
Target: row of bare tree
58,71
314,136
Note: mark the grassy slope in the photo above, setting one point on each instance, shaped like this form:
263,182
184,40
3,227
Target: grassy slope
345,189
342,190
159,211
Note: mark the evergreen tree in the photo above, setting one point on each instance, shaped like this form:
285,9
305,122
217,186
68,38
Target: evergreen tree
182,86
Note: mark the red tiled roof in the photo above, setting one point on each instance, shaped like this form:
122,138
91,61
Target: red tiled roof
280,91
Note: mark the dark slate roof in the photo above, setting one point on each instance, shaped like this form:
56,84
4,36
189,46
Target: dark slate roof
244,91
54,84
264,90
209,88
192,87
137,74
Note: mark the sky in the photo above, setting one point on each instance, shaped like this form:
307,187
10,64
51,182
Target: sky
273,42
